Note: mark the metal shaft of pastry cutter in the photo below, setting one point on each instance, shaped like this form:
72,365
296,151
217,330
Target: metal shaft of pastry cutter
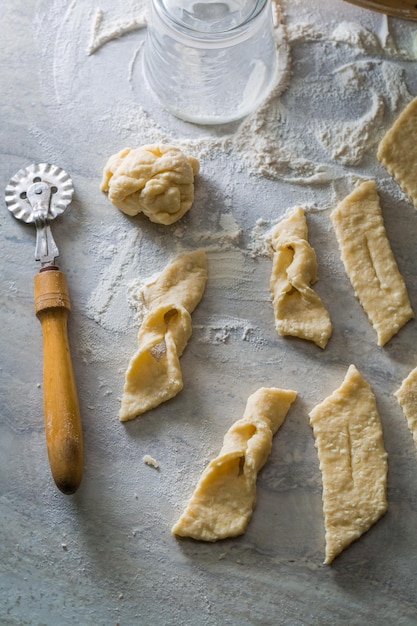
39,196
36,195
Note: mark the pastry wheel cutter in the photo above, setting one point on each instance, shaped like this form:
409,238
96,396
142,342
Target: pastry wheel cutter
36,195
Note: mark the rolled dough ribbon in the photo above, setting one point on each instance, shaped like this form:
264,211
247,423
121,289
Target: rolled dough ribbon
225,496
154,372
298,310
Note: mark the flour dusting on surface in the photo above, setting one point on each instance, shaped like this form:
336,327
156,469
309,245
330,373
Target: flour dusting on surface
107,303
76,66
103,32
347,142
362,87
221,329
266,143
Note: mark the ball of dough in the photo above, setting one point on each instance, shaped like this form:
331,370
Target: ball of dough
157,180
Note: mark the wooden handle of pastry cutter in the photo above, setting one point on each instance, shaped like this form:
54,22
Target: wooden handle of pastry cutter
403,9
62,414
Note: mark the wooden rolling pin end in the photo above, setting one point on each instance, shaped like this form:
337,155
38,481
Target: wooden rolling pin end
67,472
61,410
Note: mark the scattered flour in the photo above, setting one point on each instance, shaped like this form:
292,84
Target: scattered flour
125,120
347,142
135,297
228,236
120,286
107,303
362,88
103,31
272,142
219,329
269,144
397,91
259,244
261,236
358,38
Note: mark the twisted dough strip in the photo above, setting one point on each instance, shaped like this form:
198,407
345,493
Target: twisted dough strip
225,496
154,373
298,310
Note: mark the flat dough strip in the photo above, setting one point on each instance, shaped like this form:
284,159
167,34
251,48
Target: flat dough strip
370,263
225,496
407,398
353,462
298,310
154,373
398,151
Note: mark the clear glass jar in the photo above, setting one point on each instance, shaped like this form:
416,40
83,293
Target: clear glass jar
210,62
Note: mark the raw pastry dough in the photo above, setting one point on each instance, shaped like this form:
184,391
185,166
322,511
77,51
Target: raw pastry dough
154,372
398,151
407,398
225,496
369,261
157,180
298,309
182,281
353,462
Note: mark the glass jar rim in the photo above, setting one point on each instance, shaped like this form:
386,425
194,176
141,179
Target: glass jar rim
236,30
